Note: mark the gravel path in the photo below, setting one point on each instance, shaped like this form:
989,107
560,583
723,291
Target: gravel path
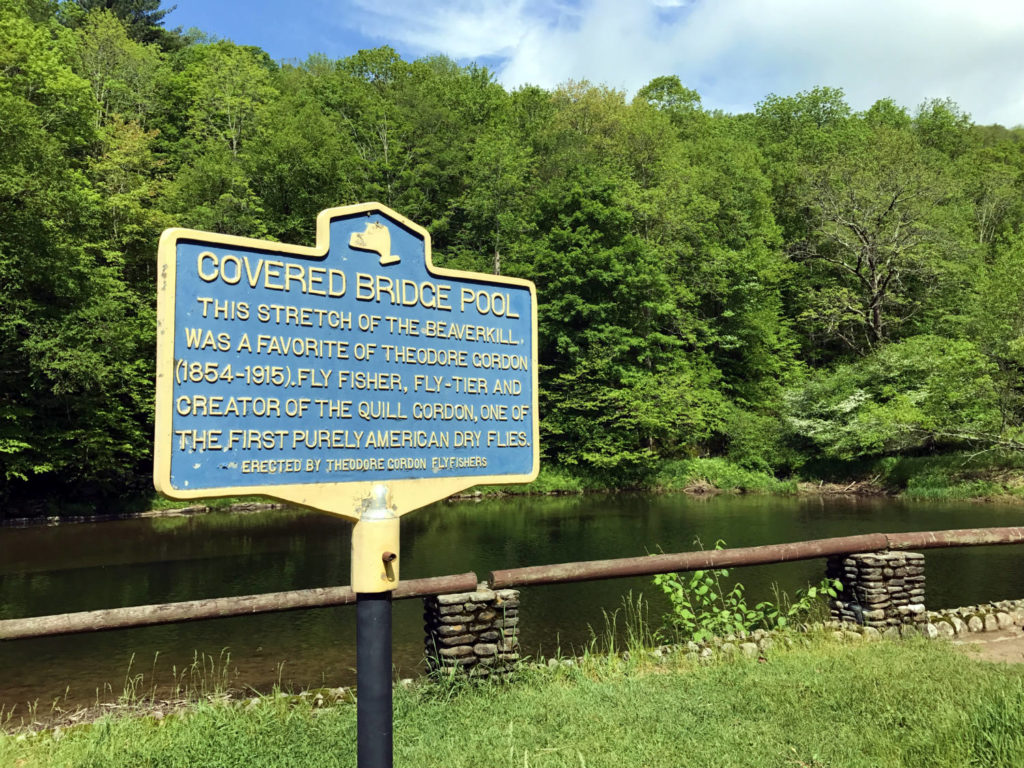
1004,646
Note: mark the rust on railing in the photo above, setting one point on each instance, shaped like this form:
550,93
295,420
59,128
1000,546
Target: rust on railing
594,570
193,610
960,537
221,607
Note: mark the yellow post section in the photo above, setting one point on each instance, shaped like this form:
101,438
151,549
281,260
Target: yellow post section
375,543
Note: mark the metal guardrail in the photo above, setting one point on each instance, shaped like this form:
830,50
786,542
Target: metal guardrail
762,555
218,608
194,610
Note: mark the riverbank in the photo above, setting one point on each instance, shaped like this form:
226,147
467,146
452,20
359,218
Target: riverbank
825,704
982,477
986,476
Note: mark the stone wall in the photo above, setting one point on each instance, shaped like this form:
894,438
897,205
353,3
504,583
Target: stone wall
476,633
883,594
879,589
987,617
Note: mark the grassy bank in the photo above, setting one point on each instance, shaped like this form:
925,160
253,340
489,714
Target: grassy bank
699,475
695,475
991,475
830,704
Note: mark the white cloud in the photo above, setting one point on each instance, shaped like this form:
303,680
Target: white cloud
462,29
735,52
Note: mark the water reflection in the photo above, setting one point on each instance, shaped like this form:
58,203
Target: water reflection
84,567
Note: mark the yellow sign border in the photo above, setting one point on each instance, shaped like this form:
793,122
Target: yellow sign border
347,499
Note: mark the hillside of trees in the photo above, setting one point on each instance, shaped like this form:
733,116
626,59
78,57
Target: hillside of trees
800,283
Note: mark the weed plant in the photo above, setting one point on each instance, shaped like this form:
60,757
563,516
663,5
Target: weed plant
704,607
627,630
205,678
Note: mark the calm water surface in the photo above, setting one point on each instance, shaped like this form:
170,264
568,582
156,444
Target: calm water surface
104,565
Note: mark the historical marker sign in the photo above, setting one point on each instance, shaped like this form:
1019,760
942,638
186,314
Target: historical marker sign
311,374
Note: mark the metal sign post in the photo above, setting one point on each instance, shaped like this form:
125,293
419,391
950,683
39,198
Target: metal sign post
374,575
352,377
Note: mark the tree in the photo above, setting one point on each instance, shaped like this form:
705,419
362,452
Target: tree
301,157
142,18
875,232
365,100
993,179
925,391
75,342
228,87
618,386
213,192
492,215
941,125
126,172
667,94
887,113
122,73
795,134
995,324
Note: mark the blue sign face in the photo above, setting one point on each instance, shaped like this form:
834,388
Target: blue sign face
354,362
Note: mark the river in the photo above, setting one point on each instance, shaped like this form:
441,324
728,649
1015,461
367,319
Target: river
111,564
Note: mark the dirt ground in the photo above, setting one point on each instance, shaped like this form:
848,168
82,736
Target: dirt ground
1005,646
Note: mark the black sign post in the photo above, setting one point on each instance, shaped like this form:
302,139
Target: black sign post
375,542
373,680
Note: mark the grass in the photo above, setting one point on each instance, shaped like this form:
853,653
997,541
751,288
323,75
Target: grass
829,704
946,477
951,476
720,474
668,475
551,479
627,628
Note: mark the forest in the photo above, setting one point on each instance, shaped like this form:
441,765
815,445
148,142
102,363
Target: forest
801,284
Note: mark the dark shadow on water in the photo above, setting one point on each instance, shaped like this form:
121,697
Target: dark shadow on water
104,565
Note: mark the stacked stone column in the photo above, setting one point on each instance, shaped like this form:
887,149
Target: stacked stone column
473,633
882,590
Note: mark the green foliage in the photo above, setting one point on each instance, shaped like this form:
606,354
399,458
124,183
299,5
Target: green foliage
880,227
921,392
552,479
143,19
759,442
943,126
75,339
963,475
801,284
703,608
721,474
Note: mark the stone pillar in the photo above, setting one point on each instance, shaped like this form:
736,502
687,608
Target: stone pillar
472,633
880,589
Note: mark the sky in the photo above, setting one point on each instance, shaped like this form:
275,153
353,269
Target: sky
732,52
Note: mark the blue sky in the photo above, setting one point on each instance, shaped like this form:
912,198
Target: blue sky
733,52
